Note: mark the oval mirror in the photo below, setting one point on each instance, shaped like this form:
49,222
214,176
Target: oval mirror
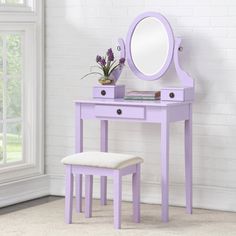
150,45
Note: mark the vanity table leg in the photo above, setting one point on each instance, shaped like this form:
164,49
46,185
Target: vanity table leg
104,148
188,161
78,148
165,169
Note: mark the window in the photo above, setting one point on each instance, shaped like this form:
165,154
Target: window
16,5
11,54
13,2
21,90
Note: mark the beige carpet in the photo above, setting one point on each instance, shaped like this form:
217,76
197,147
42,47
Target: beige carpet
45,217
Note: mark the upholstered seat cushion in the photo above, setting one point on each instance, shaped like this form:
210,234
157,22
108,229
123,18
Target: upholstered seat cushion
102,159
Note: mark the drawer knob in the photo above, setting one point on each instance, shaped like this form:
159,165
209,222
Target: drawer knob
172,95
119,111
103,92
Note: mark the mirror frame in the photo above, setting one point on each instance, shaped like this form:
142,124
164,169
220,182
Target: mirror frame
169,58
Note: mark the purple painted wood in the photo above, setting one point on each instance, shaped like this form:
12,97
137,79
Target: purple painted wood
166,65
78,129
128,170
117,72
78,148
78,192
120,112
136,194
117,174
109,91
88,195
104,148
185,79
122,102
154,112
122,48
188,160
177,94
178,113
89,170
165,167
68,195
117,196
174,46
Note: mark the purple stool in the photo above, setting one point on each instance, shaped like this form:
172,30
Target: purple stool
102,164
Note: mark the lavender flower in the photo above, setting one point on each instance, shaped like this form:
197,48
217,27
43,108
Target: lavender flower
107,66
110,55
109,51
103,62
98,58
122,61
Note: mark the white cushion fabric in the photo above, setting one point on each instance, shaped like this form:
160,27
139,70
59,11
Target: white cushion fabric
102,159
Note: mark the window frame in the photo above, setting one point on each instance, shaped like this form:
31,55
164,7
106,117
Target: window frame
27,6
33,92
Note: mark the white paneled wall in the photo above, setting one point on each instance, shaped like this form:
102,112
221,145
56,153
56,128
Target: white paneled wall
78,30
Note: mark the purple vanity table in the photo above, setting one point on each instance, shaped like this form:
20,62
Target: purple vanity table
175,104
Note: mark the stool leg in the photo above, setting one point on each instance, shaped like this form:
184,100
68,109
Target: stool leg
78,187
88,195
69,194
103,190
136,194
117,198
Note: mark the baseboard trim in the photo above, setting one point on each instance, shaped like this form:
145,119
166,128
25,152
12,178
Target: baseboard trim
24,190
207,197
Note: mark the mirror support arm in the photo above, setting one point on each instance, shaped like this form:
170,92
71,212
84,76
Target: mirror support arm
183,76
121,47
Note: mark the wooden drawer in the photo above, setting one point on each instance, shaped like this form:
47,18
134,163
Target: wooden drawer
177,94
126,112
109,91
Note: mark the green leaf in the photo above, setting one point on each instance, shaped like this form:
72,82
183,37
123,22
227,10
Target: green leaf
113,69
91,73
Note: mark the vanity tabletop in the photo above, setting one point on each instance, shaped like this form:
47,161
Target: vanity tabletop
120,101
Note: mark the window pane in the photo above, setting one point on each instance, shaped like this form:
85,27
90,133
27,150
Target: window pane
14,54
14,142
1,98
13,98
14,1
1,145
1,60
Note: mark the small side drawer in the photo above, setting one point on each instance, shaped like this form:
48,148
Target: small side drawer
109,91
177,94
125,112
174,95
103,92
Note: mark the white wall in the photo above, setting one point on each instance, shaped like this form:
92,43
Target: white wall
77,30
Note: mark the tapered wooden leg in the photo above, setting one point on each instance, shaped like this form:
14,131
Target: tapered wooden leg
103,190
78,189
188,161
88,195
104,148
78,148
165,169
136,194
69,194
117,198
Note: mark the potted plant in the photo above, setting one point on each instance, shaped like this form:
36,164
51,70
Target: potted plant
108,67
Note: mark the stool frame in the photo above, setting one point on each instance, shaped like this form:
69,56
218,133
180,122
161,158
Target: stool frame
75,170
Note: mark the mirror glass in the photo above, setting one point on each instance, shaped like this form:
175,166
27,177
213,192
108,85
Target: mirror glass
149,46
